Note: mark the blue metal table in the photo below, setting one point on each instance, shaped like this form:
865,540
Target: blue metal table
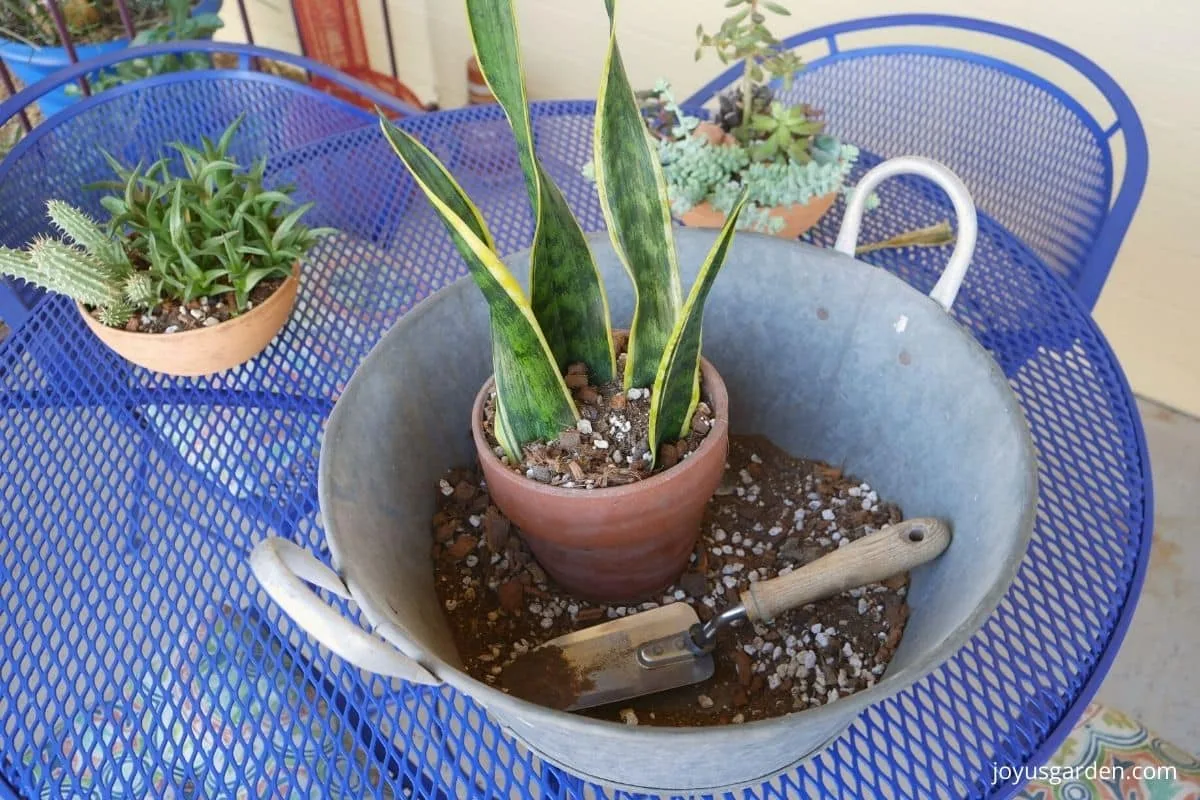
140,659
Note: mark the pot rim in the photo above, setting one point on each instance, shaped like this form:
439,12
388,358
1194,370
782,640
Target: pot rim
718,400
829,197
120,334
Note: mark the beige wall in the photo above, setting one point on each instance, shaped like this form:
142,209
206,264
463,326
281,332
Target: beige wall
1149,47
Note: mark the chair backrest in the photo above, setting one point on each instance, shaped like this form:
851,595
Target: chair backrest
1035,157
135,122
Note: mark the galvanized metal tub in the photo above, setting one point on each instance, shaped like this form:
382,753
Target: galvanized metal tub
833,359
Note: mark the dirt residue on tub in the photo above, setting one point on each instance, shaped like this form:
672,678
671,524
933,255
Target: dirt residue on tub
545,676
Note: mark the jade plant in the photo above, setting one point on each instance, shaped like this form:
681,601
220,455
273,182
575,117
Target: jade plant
564,319
777,152
172,239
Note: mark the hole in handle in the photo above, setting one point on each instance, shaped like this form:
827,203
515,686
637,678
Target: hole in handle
916,535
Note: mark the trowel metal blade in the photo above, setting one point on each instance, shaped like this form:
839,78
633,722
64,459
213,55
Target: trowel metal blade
599,665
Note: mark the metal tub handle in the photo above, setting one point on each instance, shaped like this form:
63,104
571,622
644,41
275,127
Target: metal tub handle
946,289
285,569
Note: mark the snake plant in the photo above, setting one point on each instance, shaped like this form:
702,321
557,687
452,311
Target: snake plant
565,318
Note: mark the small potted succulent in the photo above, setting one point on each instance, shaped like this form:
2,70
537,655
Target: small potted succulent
602,447
31,48
182,24
193,274
777,151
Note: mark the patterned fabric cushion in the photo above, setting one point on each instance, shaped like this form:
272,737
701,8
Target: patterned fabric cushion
1108,756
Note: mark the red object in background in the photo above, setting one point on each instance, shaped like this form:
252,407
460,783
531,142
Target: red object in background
478,91
332,33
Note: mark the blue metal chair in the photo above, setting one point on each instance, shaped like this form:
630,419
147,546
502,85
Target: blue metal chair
136,120
1037,159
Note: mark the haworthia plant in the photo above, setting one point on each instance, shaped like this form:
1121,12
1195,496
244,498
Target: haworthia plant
565,290
676,390
533,402
639,222
565,319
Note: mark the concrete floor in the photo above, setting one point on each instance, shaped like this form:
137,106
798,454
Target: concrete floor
1154,678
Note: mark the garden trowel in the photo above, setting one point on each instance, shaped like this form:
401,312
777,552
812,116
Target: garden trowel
669,647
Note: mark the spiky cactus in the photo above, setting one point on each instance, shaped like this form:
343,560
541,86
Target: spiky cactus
80,229
115,315
73,271
138,289
88,266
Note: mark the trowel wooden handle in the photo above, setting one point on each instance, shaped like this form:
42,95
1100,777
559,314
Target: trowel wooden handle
875,557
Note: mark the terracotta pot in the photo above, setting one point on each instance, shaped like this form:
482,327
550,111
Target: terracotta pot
204,351
620,543
797,218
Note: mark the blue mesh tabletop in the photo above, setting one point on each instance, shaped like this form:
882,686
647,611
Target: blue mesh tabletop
140,658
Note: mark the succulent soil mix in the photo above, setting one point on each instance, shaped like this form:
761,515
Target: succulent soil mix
772,513
610,444
204,312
